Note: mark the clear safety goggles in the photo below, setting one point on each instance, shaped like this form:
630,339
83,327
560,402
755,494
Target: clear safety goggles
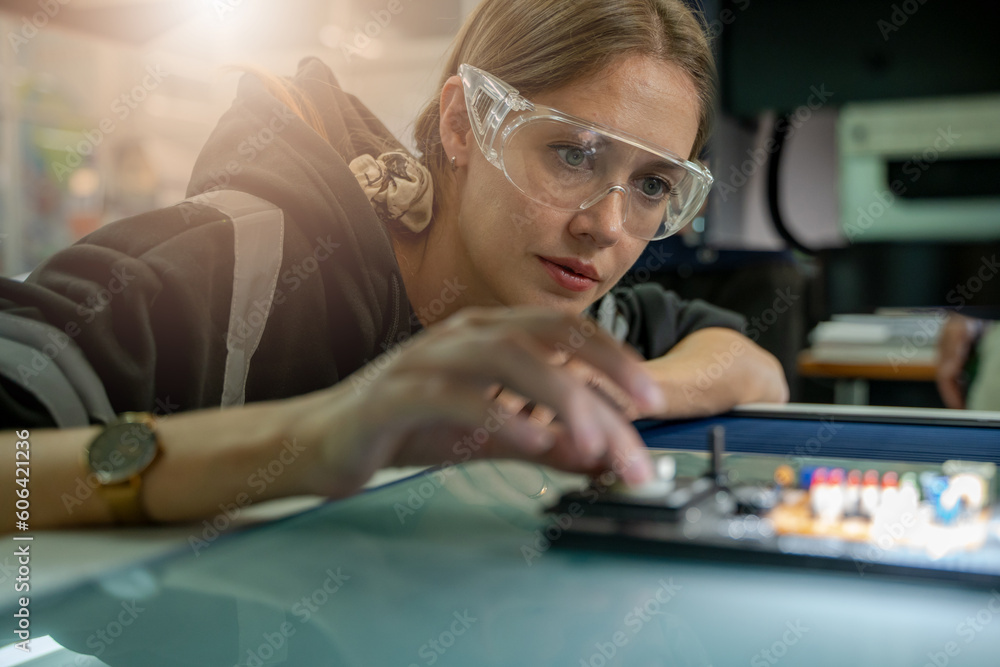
570,164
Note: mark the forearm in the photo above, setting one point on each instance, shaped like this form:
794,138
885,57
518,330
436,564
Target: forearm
218,458
715,369
208,459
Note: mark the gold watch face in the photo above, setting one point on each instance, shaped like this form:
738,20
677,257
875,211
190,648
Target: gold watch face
122,450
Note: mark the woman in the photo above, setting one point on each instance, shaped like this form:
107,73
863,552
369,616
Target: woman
277,278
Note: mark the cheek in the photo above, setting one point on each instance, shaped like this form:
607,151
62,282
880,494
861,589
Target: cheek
491,234
630,251
500,213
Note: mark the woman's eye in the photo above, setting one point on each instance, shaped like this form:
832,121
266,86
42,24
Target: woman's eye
573,156
654,188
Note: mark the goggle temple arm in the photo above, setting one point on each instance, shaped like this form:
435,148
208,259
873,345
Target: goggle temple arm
488,100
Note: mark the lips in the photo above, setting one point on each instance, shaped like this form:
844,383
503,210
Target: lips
576,266
570,274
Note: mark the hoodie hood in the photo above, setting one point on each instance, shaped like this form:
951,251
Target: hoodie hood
263,148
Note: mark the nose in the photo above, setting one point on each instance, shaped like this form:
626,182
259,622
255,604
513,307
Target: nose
602,216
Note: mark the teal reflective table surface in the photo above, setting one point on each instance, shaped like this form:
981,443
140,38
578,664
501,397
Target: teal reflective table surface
462,568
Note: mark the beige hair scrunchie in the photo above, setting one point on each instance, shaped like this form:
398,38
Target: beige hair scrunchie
398,187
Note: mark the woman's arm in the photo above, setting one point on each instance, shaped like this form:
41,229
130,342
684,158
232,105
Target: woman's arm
712,370
430,404
209,459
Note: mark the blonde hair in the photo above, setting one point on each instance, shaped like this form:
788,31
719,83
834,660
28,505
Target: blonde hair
539,45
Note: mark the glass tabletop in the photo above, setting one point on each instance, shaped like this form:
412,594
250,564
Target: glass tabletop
461,567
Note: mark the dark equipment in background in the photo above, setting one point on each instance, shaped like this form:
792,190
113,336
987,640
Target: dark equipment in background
771,53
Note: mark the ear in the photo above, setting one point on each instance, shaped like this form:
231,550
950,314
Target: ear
456,131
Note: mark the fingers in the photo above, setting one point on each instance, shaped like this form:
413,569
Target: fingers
563,336
584,340
461,362
630,462
447,421
604,386
594,424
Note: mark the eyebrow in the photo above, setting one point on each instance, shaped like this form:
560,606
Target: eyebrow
664,166
593,138
599,141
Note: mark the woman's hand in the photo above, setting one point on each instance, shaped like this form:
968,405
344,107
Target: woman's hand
454,391
958,336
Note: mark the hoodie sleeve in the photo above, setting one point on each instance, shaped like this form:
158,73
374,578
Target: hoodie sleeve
653,320
141,299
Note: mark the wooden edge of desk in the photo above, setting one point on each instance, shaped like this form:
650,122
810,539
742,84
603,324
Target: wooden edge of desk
904,371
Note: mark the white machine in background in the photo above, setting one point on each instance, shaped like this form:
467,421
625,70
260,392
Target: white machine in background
915,170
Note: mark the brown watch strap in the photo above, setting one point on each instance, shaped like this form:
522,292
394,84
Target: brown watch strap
125,501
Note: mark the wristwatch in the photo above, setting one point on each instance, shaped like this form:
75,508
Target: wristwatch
118,457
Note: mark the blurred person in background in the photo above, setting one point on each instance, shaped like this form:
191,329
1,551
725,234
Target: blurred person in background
964,340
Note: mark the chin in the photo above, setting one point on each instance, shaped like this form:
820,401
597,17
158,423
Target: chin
571,305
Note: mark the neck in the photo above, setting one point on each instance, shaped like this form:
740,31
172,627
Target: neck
431,270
